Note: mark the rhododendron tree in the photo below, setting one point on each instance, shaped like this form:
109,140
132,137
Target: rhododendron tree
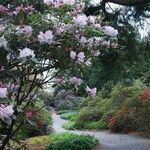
37,37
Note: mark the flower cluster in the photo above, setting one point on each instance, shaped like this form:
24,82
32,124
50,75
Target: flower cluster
3,92
46,37
6,111
75,81
26,52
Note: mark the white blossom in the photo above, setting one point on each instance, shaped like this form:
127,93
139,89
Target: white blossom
88,62
96,53
73,55
69,2
48,2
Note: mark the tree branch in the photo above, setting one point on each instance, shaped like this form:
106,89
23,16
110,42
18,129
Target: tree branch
128,2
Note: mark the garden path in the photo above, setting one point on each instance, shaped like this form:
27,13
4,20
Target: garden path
110,141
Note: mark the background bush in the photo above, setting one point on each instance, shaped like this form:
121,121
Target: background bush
69,141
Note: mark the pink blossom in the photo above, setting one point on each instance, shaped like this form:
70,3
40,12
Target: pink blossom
26,52
6,112
3,92
91,92
75,81
92,19
46,37
79,58
83,41
110,31
26,30
3,9
81,20
22,8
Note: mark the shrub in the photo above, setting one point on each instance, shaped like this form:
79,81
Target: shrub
69,125
38,123
96,125
68,115
70,141
90,114
134,115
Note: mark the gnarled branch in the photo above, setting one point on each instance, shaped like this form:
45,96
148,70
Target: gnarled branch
128,2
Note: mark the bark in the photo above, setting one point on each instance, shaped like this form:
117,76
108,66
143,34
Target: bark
128,2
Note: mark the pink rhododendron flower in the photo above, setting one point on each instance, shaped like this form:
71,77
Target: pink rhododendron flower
26,52
23,8
92,19
3,9
46,37
3,92
75,81
81,20
83,41
91,92
57,3
6,112
78,57
26,30
110,31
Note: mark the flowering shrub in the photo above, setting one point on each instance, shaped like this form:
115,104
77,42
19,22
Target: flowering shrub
37,37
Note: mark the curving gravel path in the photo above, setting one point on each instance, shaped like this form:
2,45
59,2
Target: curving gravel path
109,141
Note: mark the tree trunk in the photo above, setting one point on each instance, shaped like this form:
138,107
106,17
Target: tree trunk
127,2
